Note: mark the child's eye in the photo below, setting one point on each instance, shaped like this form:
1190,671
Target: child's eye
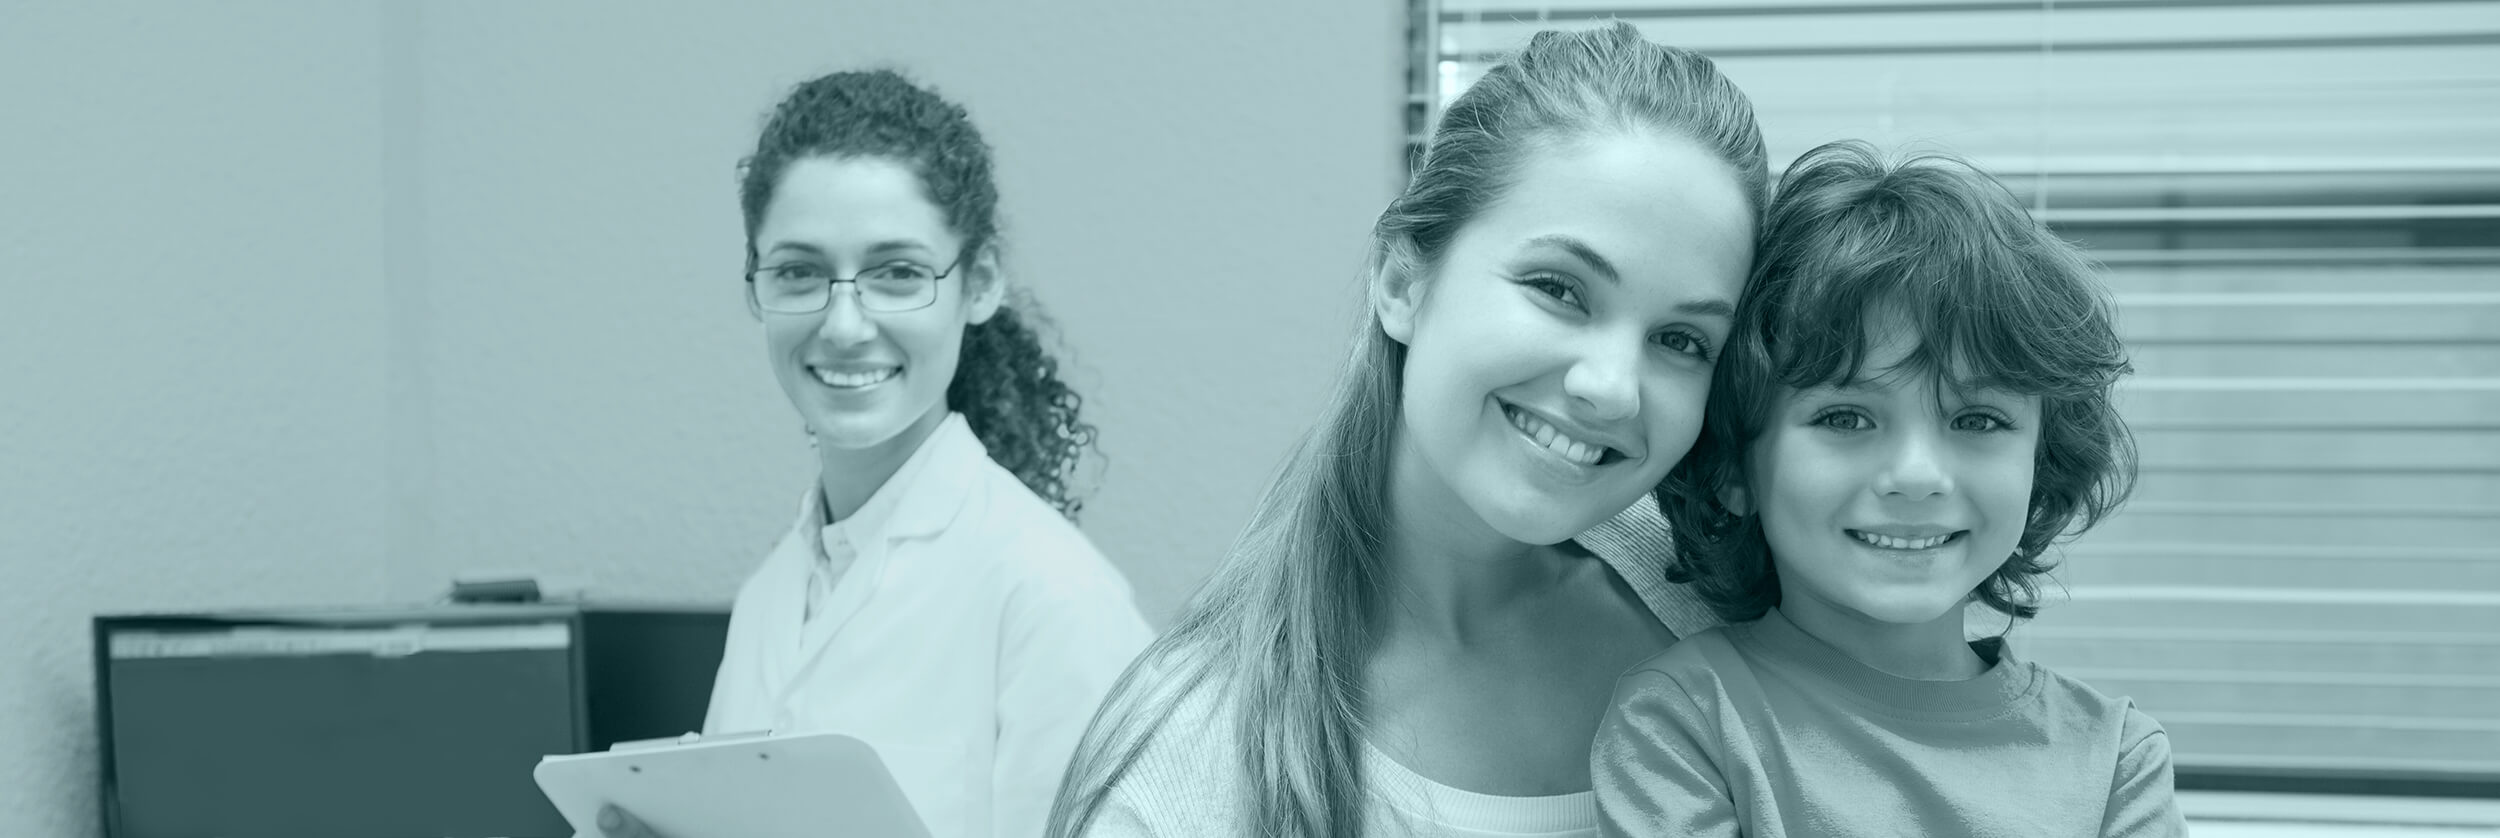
1553,286
1689,343
1981,422
1843,419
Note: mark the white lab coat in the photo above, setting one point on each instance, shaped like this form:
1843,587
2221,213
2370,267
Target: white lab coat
969,640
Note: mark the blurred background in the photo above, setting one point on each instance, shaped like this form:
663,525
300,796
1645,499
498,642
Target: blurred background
323,302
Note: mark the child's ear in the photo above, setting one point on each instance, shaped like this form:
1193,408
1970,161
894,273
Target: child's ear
1397,289
1735,498
985,284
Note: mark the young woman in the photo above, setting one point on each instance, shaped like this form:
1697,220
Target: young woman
1407,640
934,597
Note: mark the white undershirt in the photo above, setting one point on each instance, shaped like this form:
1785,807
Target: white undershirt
1409,804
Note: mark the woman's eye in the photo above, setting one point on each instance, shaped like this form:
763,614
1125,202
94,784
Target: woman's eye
1981,422
796,273
1552,286
1844,420
1687,343
900,272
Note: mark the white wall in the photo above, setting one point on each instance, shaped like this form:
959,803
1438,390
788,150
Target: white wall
192,341
398,289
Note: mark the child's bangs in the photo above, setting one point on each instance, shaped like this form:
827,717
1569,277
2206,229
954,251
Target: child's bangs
1986,305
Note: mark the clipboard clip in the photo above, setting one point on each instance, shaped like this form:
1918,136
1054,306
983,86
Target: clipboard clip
689,738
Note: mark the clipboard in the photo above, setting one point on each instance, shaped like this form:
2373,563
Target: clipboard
742,785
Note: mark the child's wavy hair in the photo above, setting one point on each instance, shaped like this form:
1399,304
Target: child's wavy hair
1006,384
1994,299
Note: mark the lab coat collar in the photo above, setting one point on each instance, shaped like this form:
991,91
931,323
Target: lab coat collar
922,497
920,500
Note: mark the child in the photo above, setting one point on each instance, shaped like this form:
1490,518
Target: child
1913,405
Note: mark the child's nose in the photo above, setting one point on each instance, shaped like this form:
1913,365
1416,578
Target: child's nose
1916,470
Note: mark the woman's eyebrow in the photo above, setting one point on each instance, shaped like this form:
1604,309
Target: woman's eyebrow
899,244
1582,251
885,248
1720,308
802,247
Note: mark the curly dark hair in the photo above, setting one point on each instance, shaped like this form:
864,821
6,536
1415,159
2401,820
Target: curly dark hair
1993,298
1007,384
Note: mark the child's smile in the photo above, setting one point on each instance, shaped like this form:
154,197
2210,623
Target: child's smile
1908,540
1911,561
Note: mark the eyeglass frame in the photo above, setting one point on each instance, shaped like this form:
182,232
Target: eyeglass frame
853,279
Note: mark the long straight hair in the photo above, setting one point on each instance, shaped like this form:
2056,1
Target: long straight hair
1277,637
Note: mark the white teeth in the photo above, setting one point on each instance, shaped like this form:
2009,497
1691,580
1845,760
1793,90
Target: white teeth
1892,543
1554,440
854,379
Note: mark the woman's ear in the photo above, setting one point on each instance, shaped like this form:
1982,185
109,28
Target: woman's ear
754,309
1397,289
985,285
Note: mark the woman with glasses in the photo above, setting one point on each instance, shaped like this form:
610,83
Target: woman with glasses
934,597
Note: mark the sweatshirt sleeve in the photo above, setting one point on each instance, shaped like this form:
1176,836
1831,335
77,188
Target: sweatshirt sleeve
2143,800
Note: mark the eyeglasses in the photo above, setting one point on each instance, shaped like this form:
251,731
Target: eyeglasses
807,287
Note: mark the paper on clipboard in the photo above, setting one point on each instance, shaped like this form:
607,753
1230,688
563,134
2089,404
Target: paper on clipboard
753,786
